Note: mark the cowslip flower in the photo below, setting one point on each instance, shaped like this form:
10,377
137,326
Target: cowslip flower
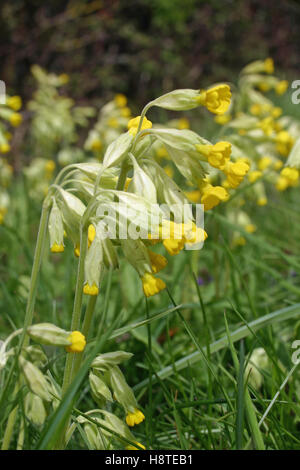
256,109
136,417
264,163
284,143
282,183
262,201
276,112
15,119
49,168
264,86
217,155
193,234
215,99
281,87
254,175
250,228
152,285
212,196
193,196
183,123
172,235
14,102
277,165
92,289
291,174
269,65
133,125
120,100
4,147
158,262
266,125
223,119
235,172
96,145
77,341
125,112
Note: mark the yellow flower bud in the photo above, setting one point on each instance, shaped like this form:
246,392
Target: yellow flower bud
235,172
64,78
183,123
15,119
262,201
284,142
250,228
278,165
77,342
281,87
212,196
120,100
91,290
96,145
55,248
254,176
217,155
291,174
264,163
14,102
282,183
152,285
134,418
125,112
158,262
276,112
133,125
223,119
215,99
264,86
269,65
256,109
193,196
91,234
4,147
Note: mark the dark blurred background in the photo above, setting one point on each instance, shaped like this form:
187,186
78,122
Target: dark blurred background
141,47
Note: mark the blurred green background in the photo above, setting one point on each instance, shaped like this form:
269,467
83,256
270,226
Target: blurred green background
143,48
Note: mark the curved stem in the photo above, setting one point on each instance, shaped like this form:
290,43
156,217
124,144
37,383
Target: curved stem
75,323
122,177
39,250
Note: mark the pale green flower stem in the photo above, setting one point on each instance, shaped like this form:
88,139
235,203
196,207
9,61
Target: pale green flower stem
10,423
24,340
122,177
85,330
75,323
